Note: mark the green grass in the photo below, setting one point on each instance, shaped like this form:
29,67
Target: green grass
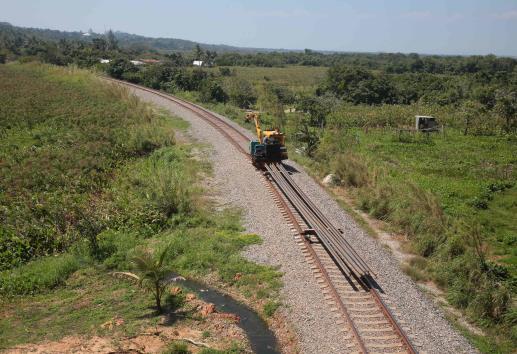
296,78
456,169
454,197
87,300
39,275
63,134
144,192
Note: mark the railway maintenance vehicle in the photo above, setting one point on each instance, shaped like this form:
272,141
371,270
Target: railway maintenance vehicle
270,145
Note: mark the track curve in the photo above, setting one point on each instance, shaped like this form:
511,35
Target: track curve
347,282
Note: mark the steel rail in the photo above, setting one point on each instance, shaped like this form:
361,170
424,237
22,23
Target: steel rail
332,289
330,227
341,256
307,211
391,319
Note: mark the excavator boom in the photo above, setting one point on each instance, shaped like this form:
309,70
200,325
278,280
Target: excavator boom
270,145
257,126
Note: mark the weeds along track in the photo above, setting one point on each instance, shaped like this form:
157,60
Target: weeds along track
347,282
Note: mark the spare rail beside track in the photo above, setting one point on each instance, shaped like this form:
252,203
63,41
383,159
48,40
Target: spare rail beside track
347,279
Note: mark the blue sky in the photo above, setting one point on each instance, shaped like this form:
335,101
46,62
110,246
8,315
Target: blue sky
430,26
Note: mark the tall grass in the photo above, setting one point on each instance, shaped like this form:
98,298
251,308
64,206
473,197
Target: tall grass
63,132
39,275
401,183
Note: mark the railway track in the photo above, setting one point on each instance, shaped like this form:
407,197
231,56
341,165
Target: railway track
347,282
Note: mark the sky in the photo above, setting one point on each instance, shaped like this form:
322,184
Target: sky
417,26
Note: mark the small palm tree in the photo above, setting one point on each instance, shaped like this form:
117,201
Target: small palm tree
153,274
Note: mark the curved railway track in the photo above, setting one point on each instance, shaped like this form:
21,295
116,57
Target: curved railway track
347,282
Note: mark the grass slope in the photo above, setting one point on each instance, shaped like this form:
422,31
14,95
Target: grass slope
102,179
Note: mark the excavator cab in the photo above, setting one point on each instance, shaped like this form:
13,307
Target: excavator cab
270,146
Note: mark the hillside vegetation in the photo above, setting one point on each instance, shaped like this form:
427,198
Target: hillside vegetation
91,178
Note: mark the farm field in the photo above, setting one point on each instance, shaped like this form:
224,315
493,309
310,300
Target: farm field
300,79
470,177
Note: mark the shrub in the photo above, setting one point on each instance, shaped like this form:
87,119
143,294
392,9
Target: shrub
118,67
225,71
270,308
240,92
351,171
177,348
39,275
211,91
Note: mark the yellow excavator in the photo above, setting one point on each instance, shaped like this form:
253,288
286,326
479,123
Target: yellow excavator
270,146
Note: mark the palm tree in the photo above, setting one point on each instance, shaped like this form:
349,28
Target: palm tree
153,274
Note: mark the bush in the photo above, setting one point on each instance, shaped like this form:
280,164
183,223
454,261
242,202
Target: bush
118,67
177,348
351,171
39,275
211,91
240,92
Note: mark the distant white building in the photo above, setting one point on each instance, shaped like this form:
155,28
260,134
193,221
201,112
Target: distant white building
197,63
87,34
105,61
137,62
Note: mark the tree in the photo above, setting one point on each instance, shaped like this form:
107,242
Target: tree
360,86
153,274
241,92
198,53
471,111
317,109
111,41
506,107
307,135
119,66
209,57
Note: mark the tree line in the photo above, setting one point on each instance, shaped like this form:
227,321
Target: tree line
482,88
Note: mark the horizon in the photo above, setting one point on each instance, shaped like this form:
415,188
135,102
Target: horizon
464,28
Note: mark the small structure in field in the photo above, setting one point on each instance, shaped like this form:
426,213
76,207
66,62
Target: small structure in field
105,61
137,62
150,61
426,124
197,63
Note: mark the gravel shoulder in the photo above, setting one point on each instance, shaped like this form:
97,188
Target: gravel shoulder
239,184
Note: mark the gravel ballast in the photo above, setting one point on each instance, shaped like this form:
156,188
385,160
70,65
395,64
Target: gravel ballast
239,184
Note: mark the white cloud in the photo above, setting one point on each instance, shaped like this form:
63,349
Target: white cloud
507,15
427,15
280,13
417,15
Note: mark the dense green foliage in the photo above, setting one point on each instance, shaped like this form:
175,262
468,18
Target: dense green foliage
55,157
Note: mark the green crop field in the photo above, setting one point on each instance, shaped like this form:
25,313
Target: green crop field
296,78
471,177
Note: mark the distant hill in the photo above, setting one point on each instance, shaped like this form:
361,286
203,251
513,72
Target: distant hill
129,40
